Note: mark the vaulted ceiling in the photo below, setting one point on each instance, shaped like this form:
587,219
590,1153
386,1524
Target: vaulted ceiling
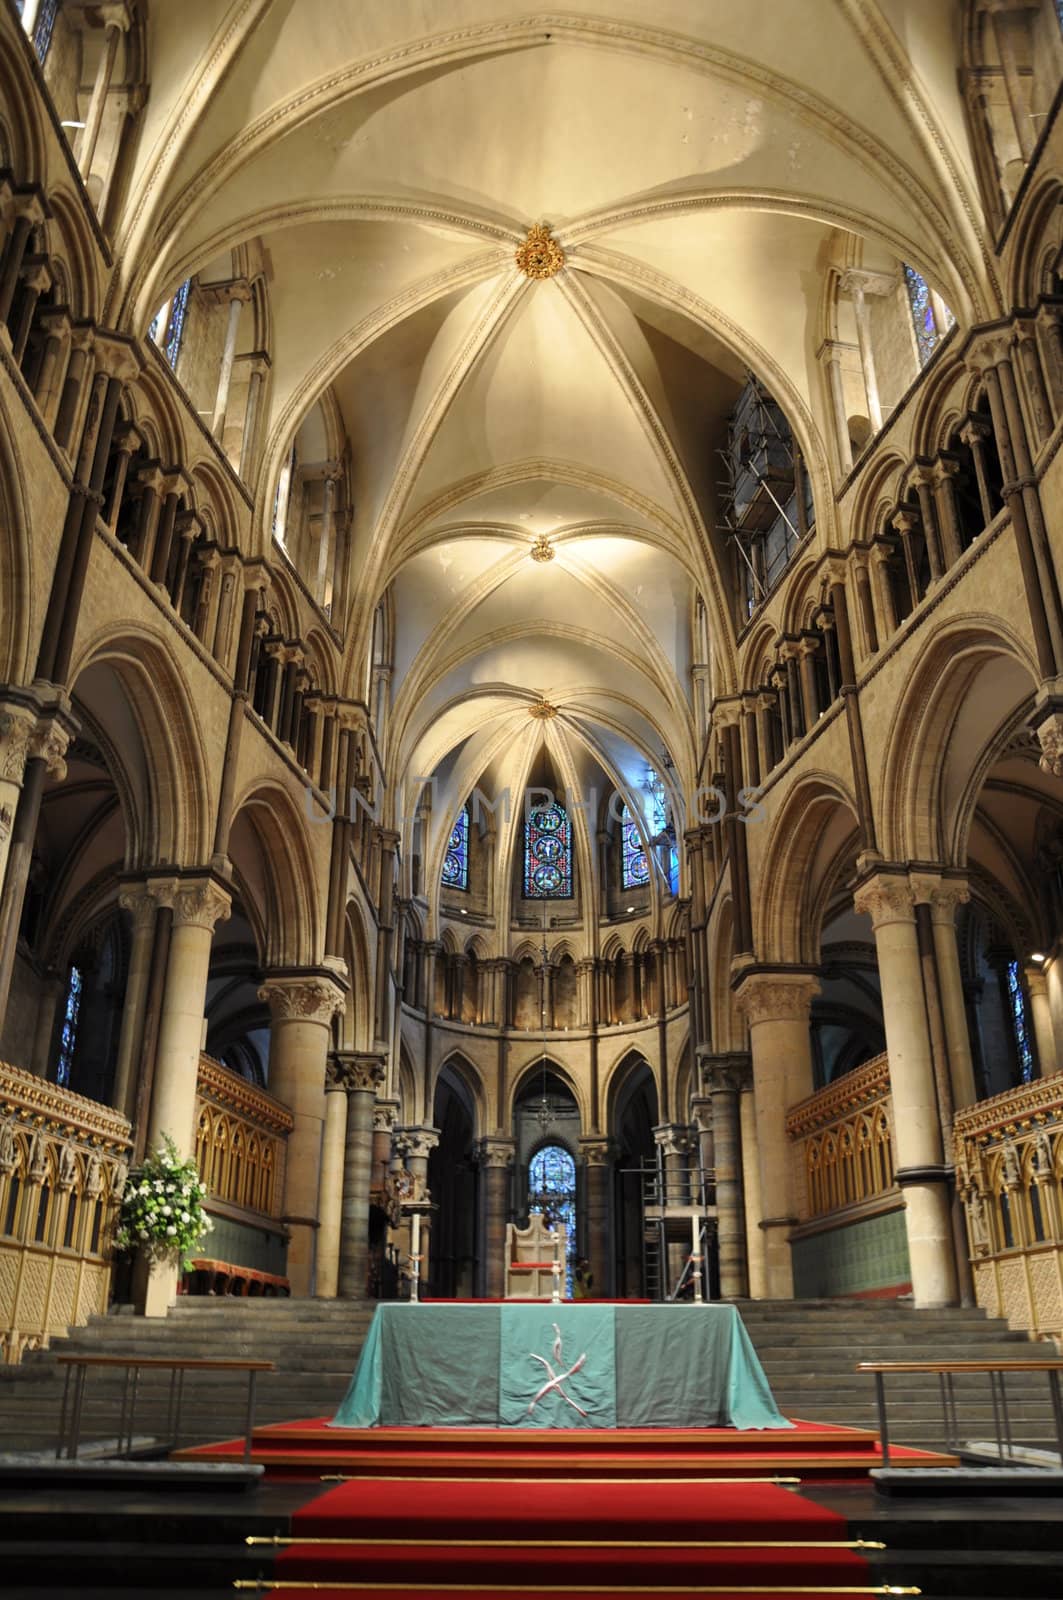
701,166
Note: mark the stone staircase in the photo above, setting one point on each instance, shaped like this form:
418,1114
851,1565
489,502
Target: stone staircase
314,1343
809,1350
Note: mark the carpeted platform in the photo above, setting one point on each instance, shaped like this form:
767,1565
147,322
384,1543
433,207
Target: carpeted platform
809,1450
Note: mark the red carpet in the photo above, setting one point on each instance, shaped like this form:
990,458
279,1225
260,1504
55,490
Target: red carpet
612,1537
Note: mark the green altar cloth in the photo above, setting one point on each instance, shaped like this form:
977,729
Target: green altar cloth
642,1366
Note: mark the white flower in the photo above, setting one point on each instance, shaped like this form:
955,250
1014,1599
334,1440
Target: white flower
166,1211
171,1230
186,1216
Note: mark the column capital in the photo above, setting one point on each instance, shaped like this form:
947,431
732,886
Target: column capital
17,725
143,898
597,1152
724,1072
886,898
943,895
308,996
385,1115
200,903
674,1138
776,996
420,1141
989,350
496,1153
856,281
363,1071
1047,723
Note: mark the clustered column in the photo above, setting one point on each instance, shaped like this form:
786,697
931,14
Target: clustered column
365,1074
723,1077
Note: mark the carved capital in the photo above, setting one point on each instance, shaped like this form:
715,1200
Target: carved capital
597,1152
49,743
776,996
496,1153
305,997
16,733
385,1116
943,895
363,1070
989,351
675,1138
200,905
142,900
1050,738
421,1142
727,1073
885,899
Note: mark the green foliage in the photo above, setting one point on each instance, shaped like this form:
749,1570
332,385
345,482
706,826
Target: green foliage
162,1207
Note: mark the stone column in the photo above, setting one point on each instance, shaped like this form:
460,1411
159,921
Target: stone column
44,756
29,214
197,906
944,898
116,21
723,1078
324,547
974,434
777,1006
260,364
496,1161
598,1168
365,1074
858,285
866,605
302,1006
921,1170
1041,1016
238,295
330,1206
18,722
421,1143
142,901
756,1261
385,1119
942,473
1040,411
923,479
830,356
1002,11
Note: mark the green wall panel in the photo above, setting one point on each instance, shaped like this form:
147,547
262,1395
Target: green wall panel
854,1259
242,1245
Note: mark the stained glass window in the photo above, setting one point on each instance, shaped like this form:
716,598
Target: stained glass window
68,1036
42,29
661,821
552,1190
177,322
636,868
1018,1017
548,854
456,861
927,333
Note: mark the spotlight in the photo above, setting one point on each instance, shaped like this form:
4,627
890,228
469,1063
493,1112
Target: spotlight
1038,957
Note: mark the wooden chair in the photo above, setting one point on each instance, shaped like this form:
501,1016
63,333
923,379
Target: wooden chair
530,1259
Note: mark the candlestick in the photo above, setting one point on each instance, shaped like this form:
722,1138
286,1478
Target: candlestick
415,1255
556,1268
695,1261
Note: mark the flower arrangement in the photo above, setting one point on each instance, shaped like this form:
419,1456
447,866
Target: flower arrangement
162,1207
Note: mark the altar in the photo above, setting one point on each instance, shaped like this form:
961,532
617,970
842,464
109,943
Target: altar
568,1365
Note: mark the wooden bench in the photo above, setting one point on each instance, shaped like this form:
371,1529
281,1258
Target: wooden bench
78,1366
224,1278
946,1371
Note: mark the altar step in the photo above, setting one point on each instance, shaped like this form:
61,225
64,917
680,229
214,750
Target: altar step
807,1452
